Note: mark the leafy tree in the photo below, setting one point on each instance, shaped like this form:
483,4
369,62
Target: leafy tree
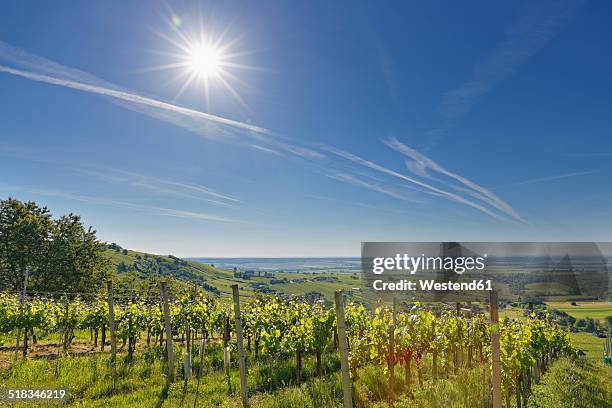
58,255
24,231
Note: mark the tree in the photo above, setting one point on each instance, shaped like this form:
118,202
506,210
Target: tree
60,255
24,231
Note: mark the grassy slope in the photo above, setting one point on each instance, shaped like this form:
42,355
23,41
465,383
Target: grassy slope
142,384
192,271
573,384
592,346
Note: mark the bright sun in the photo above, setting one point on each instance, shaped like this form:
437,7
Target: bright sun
205,60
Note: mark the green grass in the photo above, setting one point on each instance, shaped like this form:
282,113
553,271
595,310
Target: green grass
89,382
143,383
573,384
582,310
592,346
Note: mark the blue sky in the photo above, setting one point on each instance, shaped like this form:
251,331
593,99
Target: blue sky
376,122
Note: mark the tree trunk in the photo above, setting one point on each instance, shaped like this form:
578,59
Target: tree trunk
319,367
103,338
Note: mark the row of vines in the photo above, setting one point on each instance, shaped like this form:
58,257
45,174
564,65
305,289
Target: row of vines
275,328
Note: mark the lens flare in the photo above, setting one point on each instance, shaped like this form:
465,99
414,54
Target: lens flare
177,21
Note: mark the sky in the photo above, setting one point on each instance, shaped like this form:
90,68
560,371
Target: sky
225,129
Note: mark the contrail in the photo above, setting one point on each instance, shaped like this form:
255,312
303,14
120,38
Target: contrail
168,212
134,98
550,178
427,187
423,163
40,69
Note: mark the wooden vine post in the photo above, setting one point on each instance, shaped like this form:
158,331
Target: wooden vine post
495,353
168,327
391,360
111,325
244,390
226,353
343,346
391,351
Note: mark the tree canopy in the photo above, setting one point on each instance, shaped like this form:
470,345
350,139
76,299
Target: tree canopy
58,254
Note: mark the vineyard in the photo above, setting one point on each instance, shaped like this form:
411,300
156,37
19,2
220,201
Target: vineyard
407,342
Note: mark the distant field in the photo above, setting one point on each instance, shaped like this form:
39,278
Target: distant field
592,346
582,310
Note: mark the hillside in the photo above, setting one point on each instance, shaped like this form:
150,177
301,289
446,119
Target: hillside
219,281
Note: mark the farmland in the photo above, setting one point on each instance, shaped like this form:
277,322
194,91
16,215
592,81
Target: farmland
584,309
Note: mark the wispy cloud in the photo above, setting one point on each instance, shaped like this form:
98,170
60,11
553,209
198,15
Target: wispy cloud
153,210
537,24
266,149
410,211
423,186
133,98
344,166
160,186
550,178
36,68
356,181
423,166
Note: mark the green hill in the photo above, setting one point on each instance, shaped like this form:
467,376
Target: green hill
133,264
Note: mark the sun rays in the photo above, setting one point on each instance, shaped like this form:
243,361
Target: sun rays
203,59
